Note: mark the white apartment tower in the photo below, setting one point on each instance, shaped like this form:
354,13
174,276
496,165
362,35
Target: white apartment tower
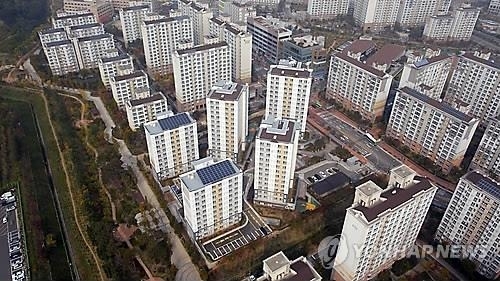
431,128
161,38
129,86
200,17
227,120
241,11
101,9
172,144
438,27
113,66
144,110
93,48
73,20
375,15
61,57
415,13
362,84
427,75
494,7
288,90
52,35
196,70
476,82
472,218
212,197
464,21
86,30
327,8
131,19
487,157
266,37
275,157
381,225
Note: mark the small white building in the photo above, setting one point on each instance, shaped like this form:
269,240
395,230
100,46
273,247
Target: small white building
278,267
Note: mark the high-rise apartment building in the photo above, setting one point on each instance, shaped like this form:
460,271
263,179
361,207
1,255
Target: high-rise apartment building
487,157
476,82
427,75
200,17
61,57
266,38
212,197
327,8
381,225
129,87
275,157
472,220
172,144
227,120
196,70
494,7
241,11
438,27
131,19
118,65
93,48
85,30
52,35
240,48
375,15
162,37
73,20
415,13
101,9
287,95
144,110
431,128
359,77
457,26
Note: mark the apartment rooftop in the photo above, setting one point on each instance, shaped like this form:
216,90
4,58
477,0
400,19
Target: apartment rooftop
444,107
495,63
386,55
52,30
226,91
115,58
155,97
58,43
201,48
403,171
428,61
84,26
392,199
210,174
135,74
136,8
168,123
360,64
360,46
289,71
95,37
484,183
218,20
277,130
74,16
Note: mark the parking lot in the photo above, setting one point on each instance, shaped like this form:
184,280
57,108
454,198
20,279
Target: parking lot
12,262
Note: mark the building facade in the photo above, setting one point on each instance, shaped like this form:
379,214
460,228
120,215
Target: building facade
122,64
73,20
327,8
431,128
212,197
227,120
131,19
415,13
93,48
275,157
487,157
266,38
471,219
288,91
172,144
161,38
381,226
61,57
476,82
101,9
457,26
196,70
129,87
52,35
438,27
375,15
494,7
144,110
200,17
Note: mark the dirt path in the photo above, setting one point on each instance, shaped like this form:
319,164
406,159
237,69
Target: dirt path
70,188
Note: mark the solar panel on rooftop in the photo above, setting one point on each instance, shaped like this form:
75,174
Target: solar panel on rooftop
173,122
216,172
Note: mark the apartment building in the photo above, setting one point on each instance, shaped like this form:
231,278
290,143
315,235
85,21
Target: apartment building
200,17
61,57
240,48
85,30
427,75
381,225
101,9
161,38
327,8
415,13
129,87
52,35
472,219
144,110
241,11
360,77
196,70
457,26
227,120
172,144
121,64
438,27
91,49
122,4
212,197
375,15
73,20
275,157
279,267
494,7
288,91
476,82
487,157
431,128
131,19
267,38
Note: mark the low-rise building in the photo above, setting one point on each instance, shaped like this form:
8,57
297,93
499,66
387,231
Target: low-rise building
144,110
279,268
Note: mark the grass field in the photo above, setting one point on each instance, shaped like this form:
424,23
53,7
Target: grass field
22,159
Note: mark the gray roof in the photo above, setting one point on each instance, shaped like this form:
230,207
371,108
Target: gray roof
359,64
135,74
279,131
150,99
484,183
96,37
134,8
282,70
83,26
211,174
166,19
446,108
276,261
201,48
116,58
58,43
491,63
226,91
74,16
52,30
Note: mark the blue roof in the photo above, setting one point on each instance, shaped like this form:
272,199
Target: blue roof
216,172
175,121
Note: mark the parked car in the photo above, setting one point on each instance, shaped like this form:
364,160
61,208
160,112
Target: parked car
4,220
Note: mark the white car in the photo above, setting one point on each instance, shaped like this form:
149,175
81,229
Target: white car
4,220
11,208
